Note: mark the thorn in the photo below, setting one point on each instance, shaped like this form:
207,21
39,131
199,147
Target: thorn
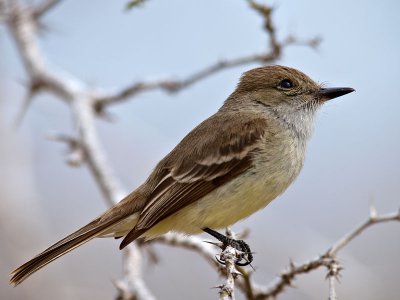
24,108
119,285
100,111
75,157
372,212
107,116
222,262
217,244
225,290
334,269
134,3
290,39
229,233
236,274
243,234
34,87
171,86
286,278
291,265
75,153
221,286
152,254
254,269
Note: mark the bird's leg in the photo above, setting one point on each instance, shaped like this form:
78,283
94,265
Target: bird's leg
245,259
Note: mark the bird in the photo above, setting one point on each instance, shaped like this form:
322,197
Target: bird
228,167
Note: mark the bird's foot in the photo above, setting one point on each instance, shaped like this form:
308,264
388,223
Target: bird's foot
244,257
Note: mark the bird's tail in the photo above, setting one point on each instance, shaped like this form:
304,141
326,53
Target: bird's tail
98,227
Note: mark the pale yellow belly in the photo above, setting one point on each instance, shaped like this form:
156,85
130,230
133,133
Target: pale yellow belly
223,207
236,199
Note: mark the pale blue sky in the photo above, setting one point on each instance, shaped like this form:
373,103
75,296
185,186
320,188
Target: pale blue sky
353,155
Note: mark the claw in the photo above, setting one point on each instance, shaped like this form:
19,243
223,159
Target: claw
246,263
219,260
246,255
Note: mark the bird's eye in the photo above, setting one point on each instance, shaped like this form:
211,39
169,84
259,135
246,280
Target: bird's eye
286,84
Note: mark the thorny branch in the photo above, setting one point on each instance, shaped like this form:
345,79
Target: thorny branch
170,85
373,219
87,103
75,155
253,290
333,273
328,259
227,290
21,21
229,255
192,243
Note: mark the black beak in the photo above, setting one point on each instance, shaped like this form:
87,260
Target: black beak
325,94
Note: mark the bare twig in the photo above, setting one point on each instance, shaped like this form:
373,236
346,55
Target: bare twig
286,278
227,290
373,219
69,89
75,154
96,159
332,276
328,259
207,251
229,256
255,291
132,281
87,104
174,85
44,7
192,243
24,108
22,24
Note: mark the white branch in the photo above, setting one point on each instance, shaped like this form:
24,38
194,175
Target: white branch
96,159
22,24
132,285
328,259
86,104
207,251
333,273
192,243
270,55
373,219
227,290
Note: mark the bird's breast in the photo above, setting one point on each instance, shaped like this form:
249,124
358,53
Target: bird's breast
279,160
275,165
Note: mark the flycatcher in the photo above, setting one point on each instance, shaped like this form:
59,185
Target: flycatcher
228,167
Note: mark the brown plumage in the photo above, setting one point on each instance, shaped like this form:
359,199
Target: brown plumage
163,195
184,179
228,167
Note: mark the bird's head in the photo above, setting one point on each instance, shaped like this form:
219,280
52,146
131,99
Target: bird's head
283,89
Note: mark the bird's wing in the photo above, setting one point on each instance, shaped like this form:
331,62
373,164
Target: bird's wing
215,152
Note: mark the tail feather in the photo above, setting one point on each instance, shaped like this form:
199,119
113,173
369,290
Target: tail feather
105,225
69,243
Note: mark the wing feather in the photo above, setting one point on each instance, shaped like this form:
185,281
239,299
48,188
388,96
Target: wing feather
214,158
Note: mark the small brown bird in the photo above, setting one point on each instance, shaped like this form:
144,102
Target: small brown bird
228,167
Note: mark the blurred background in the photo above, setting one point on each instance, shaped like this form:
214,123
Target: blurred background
353,158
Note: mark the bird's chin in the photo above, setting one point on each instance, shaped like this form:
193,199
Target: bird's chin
313,105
